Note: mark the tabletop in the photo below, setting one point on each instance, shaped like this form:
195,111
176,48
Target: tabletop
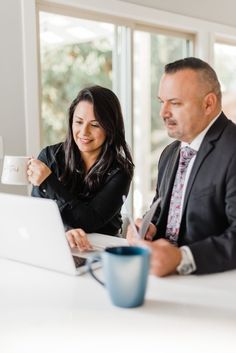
46,311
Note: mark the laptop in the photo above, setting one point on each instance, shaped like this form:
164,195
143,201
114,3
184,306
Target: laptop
32,232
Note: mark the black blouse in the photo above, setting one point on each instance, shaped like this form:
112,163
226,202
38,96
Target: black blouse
99,212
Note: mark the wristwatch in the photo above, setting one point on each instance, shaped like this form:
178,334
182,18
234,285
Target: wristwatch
187,263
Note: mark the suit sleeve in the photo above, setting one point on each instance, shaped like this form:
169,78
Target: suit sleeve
217,252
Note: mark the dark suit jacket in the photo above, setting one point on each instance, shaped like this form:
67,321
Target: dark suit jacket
208,223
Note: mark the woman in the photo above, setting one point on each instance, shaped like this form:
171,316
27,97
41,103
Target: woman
88,173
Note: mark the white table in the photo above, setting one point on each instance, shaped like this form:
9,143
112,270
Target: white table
47,312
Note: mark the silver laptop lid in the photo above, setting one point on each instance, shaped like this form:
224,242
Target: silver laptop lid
31,231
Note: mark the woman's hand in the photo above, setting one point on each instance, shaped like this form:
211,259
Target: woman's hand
77,239
37,171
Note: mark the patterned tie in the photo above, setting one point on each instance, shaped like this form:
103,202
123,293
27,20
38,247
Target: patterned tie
174,216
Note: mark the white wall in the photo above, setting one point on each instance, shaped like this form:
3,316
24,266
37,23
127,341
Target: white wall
12,118
210,10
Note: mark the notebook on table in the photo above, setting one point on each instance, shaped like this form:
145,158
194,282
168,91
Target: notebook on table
32,232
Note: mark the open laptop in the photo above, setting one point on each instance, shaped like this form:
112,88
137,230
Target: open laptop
32,232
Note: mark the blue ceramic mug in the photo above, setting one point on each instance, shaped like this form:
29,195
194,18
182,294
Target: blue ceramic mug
125,272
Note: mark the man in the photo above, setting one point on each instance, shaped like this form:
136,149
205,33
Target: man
194,229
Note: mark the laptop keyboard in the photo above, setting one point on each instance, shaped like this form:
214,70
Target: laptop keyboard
98,244
79,261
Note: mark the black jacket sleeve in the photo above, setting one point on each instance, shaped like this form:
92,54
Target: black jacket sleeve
96,212
91,214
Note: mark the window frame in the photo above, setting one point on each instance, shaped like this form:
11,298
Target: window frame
117,12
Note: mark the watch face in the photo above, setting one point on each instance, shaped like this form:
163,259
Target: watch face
185,269
186,266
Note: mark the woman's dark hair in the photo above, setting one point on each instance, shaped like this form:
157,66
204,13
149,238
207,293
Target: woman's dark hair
107,111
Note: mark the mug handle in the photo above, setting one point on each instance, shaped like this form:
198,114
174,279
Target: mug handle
90,261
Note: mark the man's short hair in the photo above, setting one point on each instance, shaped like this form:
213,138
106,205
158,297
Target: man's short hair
207,73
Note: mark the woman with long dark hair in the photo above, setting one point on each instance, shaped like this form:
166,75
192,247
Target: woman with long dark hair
88,173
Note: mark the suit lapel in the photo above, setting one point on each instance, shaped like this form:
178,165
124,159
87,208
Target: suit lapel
208,144
168,178
201,156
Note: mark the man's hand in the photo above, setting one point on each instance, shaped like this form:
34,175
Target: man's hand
165,257
132,238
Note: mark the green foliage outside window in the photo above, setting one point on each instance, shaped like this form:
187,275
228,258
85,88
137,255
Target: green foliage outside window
65,71
164,49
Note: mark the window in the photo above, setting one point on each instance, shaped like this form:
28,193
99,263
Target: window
74,53
225,66
151,52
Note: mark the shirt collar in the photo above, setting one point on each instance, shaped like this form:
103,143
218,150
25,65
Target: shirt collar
196,143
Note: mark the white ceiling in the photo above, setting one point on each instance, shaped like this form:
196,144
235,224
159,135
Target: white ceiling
211,10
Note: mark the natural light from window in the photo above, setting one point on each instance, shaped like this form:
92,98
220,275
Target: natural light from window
74,53
225,66
151,53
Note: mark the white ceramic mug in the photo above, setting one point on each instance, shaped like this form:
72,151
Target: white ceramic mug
14,170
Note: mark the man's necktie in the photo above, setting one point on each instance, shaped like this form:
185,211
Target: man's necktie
174,215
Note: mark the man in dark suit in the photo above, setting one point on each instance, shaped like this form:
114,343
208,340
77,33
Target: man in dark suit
194,229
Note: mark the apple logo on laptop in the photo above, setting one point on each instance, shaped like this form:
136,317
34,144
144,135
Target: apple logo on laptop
24,233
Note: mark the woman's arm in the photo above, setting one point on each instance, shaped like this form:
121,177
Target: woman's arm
91,214
49,186
94,213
